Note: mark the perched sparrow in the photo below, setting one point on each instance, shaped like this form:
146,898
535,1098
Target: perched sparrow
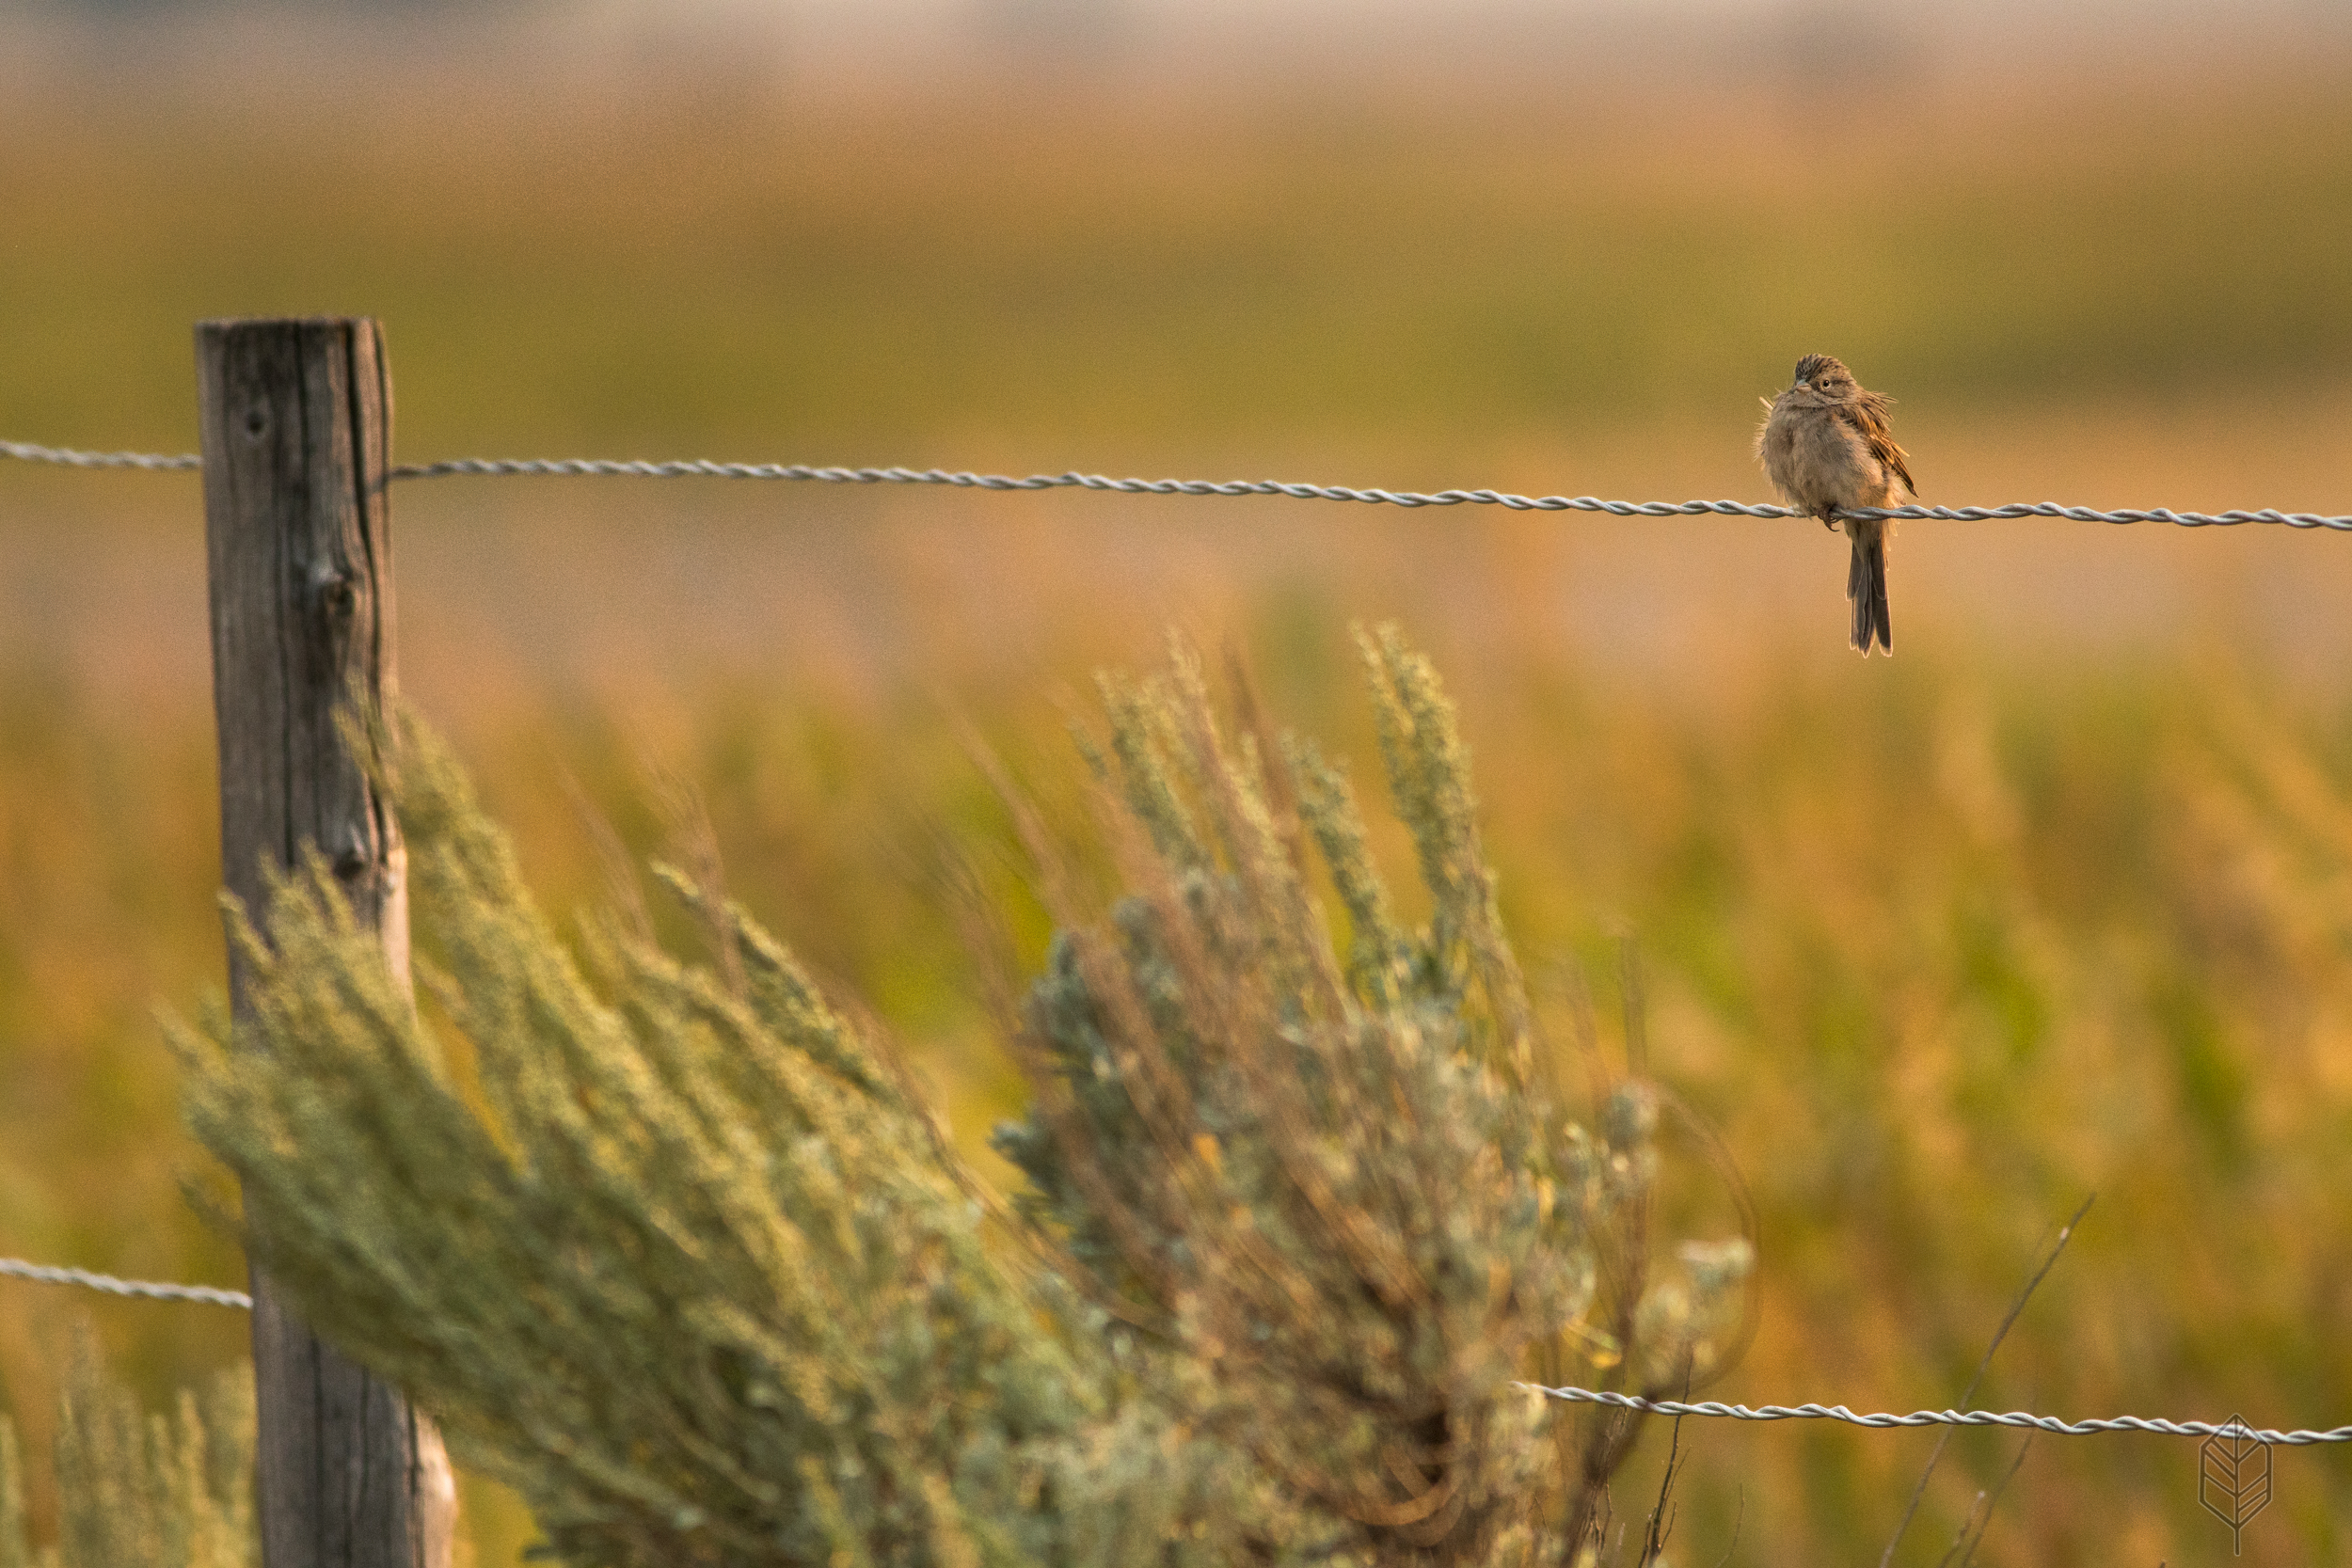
1825,447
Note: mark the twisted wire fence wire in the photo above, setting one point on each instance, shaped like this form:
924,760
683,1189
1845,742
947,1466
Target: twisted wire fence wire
17,1267
68,457
42,1274
1883,1420
966,479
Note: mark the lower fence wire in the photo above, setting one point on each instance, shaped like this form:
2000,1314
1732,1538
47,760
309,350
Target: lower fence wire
42,1274
966,480
1880,1421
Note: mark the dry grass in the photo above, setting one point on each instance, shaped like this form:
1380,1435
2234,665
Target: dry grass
1942,945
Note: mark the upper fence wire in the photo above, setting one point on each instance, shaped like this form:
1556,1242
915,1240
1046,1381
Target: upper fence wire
966,479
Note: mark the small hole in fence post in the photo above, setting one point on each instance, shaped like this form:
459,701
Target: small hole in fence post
337,594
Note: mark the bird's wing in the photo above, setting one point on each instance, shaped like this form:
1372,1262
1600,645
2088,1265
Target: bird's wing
1866,414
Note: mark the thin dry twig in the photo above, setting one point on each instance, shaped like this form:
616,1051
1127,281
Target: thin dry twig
1726,1167
1738,1519
1636,1003
1661,1523
694,839
615,866
1993,1500
2066,1233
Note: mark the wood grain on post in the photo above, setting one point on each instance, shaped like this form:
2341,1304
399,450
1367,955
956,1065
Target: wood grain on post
297,437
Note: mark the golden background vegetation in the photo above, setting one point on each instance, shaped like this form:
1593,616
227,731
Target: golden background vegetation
2059,900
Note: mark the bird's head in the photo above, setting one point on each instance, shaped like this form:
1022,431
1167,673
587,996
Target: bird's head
1822,375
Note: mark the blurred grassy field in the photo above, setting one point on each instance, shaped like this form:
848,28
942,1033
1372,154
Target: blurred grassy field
2059,900
1136,269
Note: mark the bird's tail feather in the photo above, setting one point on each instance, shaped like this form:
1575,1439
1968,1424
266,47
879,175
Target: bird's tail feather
1866,586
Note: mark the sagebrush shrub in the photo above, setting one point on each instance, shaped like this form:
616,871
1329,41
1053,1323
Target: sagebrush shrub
673,1249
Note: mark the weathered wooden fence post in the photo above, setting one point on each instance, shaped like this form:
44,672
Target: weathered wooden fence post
297,437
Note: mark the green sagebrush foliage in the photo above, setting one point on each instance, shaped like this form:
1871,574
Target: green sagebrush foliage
137,1489
673,1249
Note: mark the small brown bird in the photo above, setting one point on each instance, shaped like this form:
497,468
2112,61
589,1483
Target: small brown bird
1825,447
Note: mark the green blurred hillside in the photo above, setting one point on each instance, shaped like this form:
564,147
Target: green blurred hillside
2055,901
1136,270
